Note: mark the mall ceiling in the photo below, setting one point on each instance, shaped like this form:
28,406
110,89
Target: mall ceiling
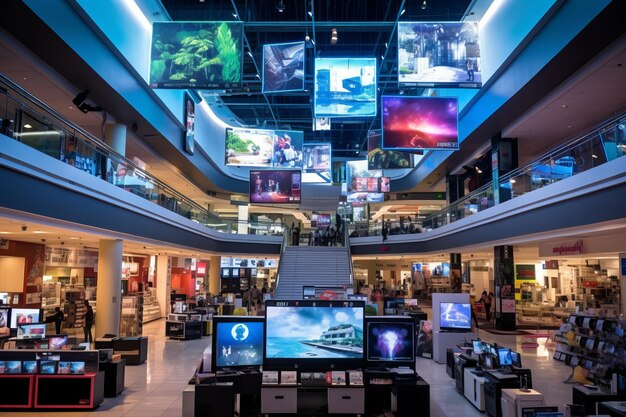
365,29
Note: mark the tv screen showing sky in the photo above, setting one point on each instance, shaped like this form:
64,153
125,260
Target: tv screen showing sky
345,87
439,54
196,55
427,123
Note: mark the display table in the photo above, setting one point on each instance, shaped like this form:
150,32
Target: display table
183,330
69,391
514,400
474,388
589,398
133,349
612,408
114,373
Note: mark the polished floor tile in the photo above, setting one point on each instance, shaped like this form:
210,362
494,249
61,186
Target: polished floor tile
155,388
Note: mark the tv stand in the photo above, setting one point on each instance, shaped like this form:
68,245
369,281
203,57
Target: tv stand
312,400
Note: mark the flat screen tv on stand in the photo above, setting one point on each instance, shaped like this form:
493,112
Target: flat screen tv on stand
390,341
237,342
455,317
313,334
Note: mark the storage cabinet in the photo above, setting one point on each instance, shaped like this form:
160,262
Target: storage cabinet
69,391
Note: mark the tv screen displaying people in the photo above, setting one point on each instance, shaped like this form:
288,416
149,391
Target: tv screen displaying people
239,344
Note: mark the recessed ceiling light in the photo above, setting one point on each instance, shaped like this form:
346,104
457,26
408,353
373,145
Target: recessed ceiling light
565,106
402,12
512,181
74,237
4,233
311,13
39,232
594,156
27,126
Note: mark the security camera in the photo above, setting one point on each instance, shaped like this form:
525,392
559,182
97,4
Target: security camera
24,228
79,101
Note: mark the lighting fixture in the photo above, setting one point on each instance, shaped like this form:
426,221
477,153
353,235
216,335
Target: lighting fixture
27,126
280,6
478,170
74,238
382,57
39,232
424,5
402,12
307,38
594,156
235,15
333,36
310,13
4,233
258,76
512,181
250,53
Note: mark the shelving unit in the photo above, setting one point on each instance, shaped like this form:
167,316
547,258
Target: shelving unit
151,309
132,315
50,296
75,307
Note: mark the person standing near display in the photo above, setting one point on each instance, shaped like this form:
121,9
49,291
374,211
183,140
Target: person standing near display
57,318
89,316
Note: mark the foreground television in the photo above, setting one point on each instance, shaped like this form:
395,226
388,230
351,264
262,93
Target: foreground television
205,55
345,87
314,334
31,331
25,316
439,55
420,123
390,341
283,67
378,158
237,342
455,317
275,186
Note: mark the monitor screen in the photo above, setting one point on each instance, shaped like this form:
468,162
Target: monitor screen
5,317
477,346
283,67
504,357
31,331
274,186
378,158
288,149
420,123
204,55
455,316
57,342
238,343
24,316
516,358
249,147
391,342
47,367
439,54
29,367
190,118
317,159
412,302
13,367
532,412
345,87
328,332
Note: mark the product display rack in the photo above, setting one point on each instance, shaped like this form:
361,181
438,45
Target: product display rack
75,307
151,309
132,315
50,296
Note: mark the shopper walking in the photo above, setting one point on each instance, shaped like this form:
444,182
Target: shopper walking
89,316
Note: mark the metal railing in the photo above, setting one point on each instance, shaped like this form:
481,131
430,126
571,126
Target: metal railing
32,122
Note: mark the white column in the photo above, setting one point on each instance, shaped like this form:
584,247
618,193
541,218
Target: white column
164,284
109,291
115,137
622,282
214,275
243,219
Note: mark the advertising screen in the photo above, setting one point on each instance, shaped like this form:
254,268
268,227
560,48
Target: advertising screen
239,344
201,55
428,123
31,331
345,87
358,174
4,319
275,186
455,316
24,316
504,357
314,332
190,117
288,149
317,161
391,342
249,147
283,67
375,197
439,54
320,219
378,158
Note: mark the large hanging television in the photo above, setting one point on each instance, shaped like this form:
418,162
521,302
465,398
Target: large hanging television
455,317
283,67
314,334
237,342
249,147
275,186
200,55
390,340
420,123
345,87
378,158
439,54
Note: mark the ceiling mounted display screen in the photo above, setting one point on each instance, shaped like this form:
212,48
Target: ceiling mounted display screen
283,67
378,158
249,147
427,123
205,55
439,54
288,148
275,186
316,161
345,87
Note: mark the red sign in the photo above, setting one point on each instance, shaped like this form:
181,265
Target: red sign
200,269
568,248
590,284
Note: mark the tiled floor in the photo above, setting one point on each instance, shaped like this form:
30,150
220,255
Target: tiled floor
155,388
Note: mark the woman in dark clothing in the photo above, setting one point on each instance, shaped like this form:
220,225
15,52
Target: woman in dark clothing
88,322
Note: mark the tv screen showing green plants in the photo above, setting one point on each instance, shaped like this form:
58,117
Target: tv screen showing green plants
205,55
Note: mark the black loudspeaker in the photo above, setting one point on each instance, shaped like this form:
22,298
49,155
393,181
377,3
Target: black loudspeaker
214,400
412,399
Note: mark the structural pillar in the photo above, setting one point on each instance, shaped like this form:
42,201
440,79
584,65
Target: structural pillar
163,283
115,137
504,159
242,227
503,270
455,273
214,275
109,290
622,283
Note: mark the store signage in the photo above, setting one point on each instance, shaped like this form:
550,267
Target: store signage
568,248
590,284
201,269
70,257
525,272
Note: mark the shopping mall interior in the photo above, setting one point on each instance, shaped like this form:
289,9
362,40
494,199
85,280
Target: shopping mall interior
313,207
